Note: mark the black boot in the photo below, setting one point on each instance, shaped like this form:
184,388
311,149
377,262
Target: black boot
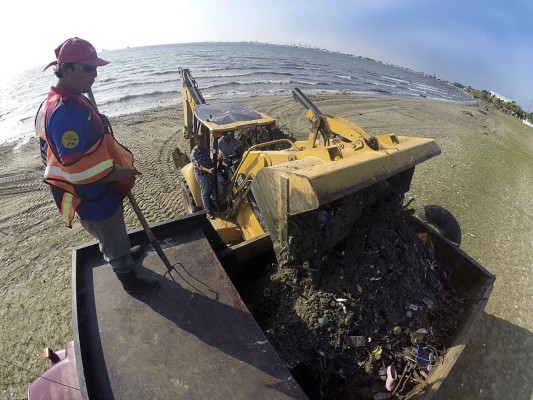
135,284
137,252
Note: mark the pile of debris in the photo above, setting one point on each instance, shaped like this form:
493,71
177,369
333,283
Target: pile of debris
262,134
366,319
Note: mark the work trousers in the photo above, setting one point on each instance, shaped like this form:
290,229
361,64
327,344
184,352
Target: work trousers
205,182
114,241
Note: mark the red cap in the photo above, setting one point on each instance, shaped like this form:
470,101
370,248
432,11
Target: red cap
76,50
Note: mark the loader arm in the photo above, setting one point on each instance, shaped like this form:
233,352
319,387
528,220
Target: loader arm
308,198
328,126
252,161
191,97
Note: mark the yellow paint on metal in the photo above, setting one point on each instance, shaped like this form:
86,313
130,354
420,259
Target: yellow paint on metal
228,231
315,181
248,222
188,174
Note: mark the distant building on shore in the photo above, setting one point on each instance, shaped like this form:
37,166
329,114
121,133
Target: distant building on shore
502,98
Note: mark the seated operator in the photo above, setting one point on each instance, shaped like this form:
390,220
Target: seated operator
229,147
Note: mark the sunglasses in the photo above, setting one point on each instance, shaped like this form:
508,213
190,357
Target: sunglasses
90,69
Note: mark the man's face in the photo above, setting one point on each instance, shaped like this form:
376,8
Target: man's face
228,137
200,143
79,77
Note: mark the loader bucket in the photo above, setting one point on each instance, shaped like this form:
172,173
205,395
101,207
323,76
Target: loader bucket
308,204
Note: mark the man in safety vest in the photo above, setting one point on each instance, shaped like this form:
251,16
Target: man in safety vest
88,171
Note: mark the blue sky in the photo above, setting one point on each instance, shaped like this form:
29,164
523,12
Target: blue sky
484,44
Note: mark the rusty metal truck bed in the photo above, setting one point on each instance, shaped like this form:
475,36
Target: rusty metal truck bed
193,338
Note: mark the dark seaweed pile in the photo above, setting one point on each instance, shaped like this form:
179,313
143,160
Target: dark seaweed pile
339,319
354,290
262,134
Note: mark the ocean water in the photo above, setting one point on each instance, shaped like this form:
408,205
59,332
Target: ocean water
146,77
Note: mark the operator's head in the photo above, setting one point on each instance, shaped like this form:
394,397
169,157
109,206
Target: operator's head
228,136
76,62
200,142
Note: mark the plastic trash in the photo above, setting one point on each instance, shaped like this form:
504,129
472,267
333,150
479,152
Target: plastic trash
392,375
422,357
376,352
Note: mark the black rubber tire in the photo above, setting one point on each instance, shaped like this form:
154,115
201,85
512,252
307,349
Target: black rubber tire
188,200
442,220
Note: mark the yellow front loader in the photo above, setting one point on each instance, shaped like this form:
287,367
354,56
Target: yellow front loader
307,195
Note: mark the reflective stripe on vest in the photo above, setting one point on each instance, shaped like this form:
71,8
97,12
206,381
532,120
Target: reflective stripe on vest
68,208
89,175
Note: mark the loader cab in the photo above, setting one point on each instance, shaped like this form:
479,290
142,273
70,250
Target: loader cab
213,120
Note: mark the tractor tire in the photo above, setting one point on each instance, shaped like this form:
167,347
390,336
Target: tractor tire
442,220
188,200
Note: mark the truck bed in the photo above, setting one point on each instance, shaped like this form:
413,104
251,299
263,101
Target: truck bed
192,338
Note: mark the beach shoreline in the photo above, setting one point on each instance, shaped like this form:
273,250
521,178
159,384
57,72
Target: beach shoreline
485,168
26,137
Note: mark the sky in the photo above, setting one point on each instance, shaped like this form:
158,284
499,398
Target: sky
485,44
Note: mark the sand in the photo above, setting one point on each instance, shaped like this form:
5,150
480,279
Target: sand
483,176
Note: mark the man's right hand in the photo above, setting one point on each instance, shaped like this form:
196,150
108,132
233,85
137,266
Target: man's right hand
126,176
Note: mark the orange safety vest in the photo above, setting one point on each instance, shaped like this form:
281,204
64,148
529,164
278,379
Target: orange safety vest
95,164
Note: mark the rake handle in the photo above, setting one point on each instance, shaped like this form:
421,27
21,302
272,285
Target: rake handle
138,211
149,232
